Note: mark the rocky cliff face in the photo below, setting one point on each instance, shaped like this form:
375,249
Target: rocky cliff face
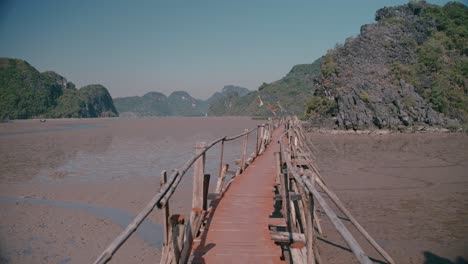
379,79
27,93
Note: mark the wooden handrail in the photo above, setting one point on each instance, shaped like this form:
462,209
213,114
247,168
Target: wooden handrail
344,232
300,147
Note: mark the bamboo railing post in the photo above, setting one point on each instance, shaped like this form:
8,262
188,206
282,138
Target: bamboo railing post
220,183
206,185
244,149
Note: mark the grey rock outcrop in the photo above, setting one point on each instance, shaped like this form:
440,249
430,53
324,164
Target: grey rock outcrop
365,90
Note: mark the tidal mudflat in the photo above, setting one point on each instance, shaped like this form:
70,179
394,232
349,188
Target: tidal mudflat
408,190
68,187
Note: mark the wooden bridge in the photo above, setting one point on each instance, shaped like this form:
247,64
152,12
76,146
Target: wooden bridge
266,213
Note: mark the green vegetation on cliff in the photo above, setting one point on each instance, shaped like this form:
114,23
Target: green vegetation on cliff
27,93
443,57
24,92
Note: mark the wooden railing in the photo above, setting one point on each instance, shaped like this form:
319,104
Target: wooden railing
179,234
298,180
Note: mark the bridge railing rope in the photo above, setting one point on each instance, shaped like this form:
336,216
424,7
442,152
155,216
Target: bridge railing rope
298,180
178,235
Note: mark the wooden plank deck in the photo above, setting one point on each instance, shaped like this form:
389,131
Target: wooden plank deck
237,230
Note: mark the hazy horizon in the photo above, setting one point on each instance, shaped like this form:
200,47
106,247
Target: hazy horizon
197,47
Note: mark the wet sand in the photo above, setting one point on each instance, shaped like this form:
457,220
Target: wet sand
68,187
408,190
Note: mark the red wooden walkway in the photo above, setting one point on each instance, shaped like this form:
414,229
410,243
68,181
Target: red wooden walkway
237,231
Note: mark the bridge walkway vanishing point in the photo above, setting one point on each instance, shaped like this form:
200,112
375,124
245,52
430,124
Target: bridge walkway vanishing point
266,213
237,231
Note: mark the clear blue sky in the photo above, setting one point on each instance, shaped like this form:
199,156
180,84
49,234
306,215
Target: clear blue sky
133,47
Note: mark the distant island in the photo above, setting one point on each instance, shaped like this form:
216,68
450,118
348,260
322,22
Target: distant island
179,103
409,69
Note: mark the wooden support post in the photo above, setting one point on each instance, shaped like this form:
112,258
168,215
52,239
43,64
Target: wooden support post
292,210
261,146
191,231
301,206
221,156
313,180
206,185
220,183
277,168
284,194
165,211
271,128
256,141
309,208
199,172
244,149
177,226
